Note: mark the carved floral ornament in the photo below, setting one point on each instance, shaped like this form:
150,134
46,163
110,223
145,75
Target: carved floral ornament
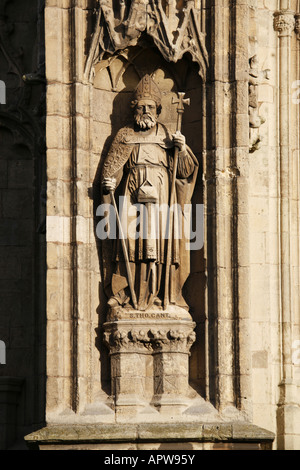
175,31
129,339
284,22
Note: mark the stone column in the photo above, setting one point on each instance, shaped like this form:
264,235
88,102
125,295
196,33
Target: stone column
60,242
218,203
226,199
72,263
241,227
284,23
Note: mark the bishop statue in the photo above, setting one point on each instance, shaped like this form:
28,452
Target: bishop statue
150,266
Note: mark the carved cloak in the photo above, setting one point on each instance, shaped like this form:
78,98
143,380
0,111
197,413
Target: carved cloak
118,159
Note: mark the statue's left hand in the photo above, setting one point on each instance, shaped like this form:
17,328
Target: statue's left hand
109,184
179,141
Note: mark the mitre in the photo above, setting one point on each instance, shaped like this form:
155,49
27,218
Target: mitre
147,90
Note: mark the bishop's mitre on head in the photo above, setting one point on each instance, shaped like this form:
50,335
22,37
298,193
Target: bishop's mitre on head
147,90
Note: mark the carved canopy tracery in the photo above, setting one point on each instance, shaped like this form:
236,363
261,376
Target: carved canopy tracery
174,30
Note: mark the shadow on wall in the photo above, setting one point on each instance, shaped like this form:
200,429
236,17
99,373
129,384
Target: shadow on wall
22,244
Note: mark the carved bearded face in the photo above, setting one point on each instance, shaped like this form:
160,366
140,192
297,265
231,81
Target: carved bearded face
145,114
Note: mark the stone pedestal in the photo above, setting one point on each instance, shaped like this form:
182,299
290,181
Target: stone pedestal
149,354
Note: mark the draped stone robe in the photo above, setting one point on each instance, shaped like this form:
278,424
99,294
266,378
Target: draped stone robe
142,163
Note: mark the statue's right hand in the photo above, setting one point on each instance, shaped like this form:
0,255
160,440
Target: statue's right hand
109,184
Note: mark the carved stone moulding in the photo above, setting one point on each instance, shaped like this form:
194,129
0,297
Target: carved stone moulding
284,22
149,336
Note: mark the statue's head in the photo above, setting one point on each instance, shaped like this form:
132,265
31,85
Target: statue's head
146,103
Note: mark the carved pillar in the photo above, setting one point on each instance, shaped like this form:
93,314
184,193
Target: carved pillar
284,23
218,200
60,357
240,225
226,193
71,272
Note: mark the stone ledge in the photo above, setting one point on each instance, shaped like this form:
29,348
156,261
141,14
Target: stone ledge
109,434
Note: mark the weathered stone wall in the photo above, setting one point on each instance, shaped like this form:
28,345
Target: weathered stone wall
22,218
73,275
90,111
244,284
274,225
264,219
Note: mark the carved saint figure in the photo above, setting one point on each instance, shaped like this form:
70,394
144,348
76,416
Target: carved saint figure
255,77
140,167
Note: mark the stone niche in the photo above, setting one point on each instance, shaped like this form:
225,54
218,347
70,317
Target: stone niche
115,79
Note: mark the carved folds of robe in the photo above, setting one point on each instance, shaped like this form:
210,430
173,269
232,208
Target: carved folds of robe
142,164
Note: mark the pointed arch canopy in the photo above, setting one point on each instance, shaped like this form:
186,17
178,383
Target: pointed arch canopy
174,33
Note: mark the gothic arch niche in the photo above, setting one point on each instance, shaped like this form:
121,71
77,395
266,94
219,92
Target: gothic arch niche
114,80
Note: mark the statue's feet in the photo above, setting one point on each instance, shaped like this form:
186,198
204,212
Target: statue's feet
153,301
113,303
157,301
118,300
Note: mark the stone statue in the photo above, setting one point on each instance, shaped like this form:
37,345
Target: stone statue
140,167
255,77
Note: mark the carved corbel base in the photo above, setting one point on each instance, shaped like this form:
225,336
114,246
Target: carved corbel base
149,363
